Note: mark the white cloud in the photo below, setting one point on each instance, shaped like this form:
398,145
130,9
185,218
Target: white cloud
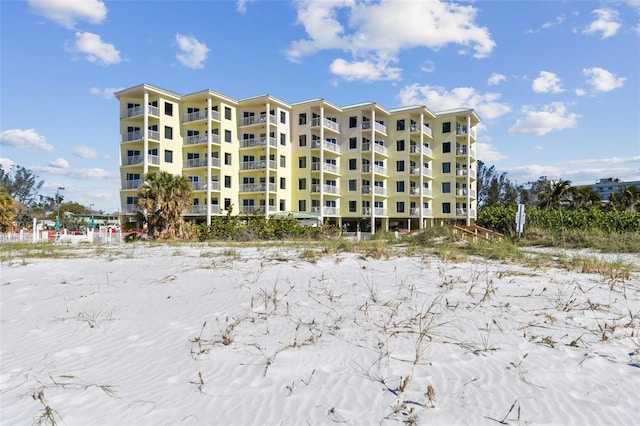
364,70
602,80
81,174
242,5
68,12
106,93
6,163
437,98
608,23
429,66
94,49
579,172
378,31
550,118
581,92
191,52
559,20
28,138
496,79
82,151
547,82
59,163
487,152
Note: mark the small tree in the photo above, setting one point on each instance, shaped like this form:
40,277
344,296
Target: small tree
8,210
161,200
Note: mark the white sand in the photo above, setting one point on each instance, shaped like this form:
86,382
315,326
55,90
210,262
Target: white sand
150,335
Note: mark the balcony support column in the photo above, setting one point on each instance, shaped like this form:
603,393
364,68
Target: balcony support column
322,164
268,160
145,134
209,141
372,165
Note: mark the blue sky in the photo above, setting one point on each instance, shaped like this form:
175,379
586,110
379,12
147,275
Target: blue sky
556,83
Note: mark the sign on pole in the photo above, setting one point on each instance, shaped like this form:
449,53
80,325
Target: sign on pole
520,219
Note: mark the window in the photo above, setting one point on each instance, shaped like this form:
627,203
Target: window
400,207
227,181
302,205
283,117
283,139
302,140
400,145
227,158
283,204
446,207
446,147
227,113
446,127
353,122
168,156
227,203
446,187
400,186
353,164
168,132
352,206
353,143
446,167
302,118
302,162
227,135
400,166
283,161
168,108
352,185
283,183
400,125
302,184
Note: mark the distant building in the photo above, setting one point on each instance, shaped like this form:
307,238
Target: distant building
607,186
358,166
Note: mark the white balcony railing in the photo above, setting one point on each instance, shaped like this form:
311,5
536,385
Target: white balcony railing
153,159
139,110
257,119
131,184
200,162
327,167
257,165
200,115
257,187
366,125
330,146
379,211
380,190
414,128
463,212
331,211
202,186
463,172
329,124
130,209
202,209
196,139
133,160
253,142
155,135
379,170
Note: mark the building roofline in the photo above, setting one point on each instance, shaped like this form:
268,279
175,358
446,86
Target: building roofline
146,86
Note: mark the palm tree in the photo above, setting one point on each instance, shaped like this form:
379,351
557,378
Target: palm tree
629,197
586,198
8,209
161,200
554,194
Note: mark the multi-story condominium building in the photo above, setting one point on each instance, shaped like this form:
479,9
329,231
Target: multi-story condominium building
360,167
607,186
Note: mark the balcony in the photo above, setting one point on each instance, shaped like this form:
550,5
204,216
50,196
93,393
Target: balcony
257,165
379,211
328,124
366,125
417,170
378,190
196,139
202,209
200,162
461,130
462,151
327,167
256,142
136,135
327,189
202,186
153,160
133,160
415,211
139,110
130,209
131,184
463,172
257,119
200,115
257,187
376,148
463,212
330,146
331,211
415,128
